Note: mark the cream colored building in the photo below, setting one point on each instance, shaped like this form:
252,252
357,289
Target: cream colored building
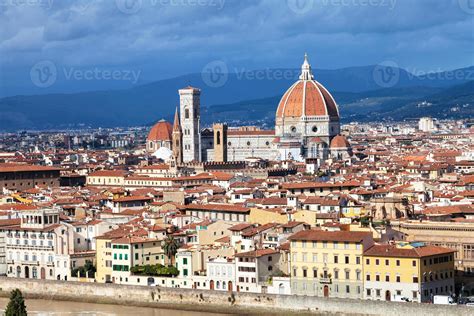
327,263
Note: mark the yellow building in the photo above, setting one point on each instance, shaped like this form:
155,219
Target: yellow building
413,271
269,215
104,259
328,264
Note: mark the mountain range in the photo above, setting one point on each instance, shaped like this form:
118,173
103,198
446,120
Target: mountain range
363,94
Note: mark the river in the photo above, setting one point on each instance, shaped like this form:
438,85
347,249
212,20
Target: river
63,308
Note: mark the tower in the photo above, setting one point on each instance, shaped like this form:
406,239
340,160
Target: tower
189,100
177,138
220,142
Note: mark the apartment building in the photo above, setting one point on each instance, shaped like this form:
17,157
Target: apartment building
328,263
40,246
414,271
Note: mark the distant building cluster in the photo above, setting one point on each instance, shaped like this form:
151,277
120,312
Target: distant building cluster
379,211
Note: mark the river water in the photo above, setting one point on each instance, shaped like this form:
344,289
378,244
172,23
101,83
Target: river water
63,308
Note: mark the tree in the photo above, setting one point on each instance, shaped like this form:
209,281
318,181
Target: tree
170,246
16,306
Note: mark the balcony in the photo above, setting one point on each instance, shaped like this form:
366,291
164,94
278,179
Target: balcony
325,280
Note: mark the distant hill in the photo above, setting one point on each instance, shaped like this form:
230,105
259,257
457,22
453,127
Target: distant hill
147,103
377,105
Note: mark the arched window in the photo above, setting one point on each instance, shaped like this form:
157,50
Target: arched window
186,113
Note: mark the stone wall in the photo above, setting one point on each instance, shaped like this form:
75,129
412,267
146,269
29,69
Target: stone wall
214,301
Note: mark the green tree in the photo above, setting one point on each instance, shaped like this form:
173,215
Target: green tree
16,306
170,246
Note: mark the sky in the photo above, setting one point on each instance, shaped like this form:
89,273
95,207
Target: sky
157,39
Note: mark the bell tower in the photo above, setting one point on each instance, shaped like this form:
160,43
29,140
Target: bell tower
177,139
189,98
220,142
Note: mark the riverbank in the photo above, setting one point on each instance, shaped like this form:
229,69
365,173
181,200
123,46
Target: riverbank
214,301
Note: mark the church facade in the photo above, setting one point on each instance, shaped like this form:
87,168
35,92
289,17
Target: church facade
306,126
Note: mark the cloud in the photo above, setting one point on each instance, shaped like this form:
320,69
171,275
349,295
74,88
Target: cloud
172,37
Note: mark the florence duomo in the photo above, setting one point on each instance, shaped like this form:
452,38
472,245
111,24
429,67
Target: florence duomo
307,125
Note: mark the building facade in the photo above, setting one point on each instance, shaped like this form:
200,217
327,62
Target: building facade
328,264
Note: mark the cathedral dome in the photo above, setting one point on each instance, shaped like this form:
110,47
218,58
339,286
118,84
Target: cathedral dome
339,141
161,131
307,97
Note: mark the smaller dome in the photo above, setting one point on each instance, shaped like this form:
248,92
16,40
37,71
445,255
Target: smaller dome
340,142
316,140
161,131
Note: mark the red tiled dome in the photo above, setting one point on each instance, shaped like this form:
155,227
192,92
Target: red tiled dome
339,142
161,131
307,98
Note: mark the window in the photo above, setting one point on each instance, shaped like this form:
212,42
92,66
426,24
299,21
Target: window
387,262
305,273
398,278
377,262
415,279
348,289
336,259
387,278
368,292
377,277
347,260
367,261
185,260
315,129
186,113
398,263
357,260
377,292
348,275
413,263
367,277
